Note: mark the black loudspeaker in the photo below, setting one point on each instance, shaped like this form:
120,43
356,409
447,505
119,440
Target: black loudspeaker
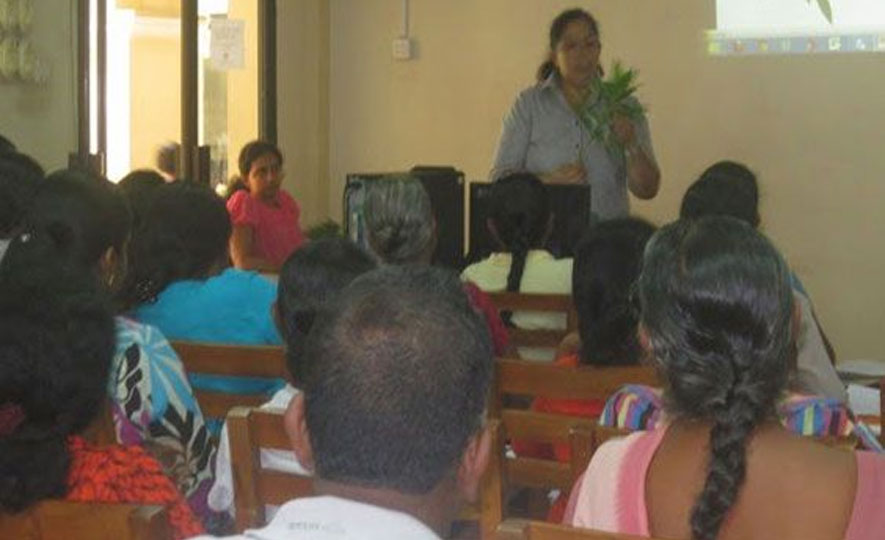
444,185
569,204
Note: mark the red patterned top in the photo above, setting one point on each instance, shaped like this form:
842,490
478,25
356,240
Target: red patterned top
126,474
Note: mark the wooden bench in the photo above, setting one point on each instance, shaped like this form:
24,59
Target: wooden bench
249,431
232,361
523,378
53,520
519,377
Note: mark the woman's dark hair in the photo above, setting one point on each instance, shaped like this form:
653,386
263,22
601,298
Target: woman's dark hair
606,265
86,214
717,307
520,211
20,178
56,344
249,153
557,29
726,188
254,150
310,278
183,236
140,187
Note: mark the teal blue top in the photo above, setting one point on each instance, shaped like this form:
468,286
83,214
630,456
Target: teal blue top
233,307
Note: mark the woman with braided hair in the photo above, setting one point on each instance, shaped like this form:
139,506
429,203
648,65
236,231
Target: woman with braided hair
520,222
719,320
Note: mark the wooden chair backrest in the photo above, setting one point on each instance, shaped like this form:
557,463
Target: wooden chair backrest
249,431
522,377
230,360
50,520
504,472
554,303
573,431
517,529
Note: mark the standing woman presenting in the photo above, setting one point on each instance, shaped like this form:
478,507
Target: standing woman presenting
543,133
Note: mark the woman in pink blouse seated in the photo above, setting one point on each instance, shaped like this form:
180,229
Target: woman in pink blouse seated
265,218
718,318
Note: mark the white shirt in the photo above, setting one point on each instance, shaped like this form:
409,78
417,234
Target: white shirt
334,518
542,275
221,496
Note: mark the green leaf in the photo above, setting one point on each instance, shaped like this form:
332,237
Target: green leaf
608,98
826,9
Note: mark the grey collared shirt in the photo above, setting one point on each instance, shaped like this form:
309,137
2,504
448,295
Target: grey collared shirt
542,133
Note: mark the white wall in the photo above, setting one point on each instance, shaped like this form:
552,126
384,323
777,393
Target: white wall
303,103
42,120
811,126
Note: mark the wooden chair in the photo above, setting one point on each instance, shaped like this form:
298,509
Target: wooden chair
552,303
52,520
504,473
249,431
518,377
230,360
517,529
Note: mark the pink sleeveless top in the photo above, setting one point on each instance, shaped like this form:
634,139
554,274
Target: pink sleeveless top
610,496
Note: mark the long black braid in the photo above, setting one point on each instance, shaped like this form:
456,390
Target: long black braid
519,208
717,305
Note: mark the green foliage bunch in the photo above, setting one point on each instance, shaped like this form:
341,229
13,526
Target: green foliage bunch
608,98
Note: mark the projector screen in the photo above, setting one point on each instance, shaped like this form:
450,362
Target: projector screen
755,27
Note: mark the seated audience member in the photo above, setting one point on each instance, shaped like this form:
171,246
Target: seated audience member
520,223
266,228
607,263
730,189
180,282
719,319
401,229
309,279
140,187
167,161
391,419
151,400
56,346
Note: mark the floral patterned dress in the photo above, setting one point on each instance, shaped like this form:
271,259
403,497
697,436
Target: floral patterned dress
153,406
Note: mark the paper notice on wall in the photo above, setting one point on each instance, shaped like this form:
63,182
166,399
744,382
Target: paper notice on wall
227,43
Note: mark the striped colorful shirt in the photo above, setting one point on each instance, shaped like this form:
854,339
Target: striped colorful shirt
637,407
